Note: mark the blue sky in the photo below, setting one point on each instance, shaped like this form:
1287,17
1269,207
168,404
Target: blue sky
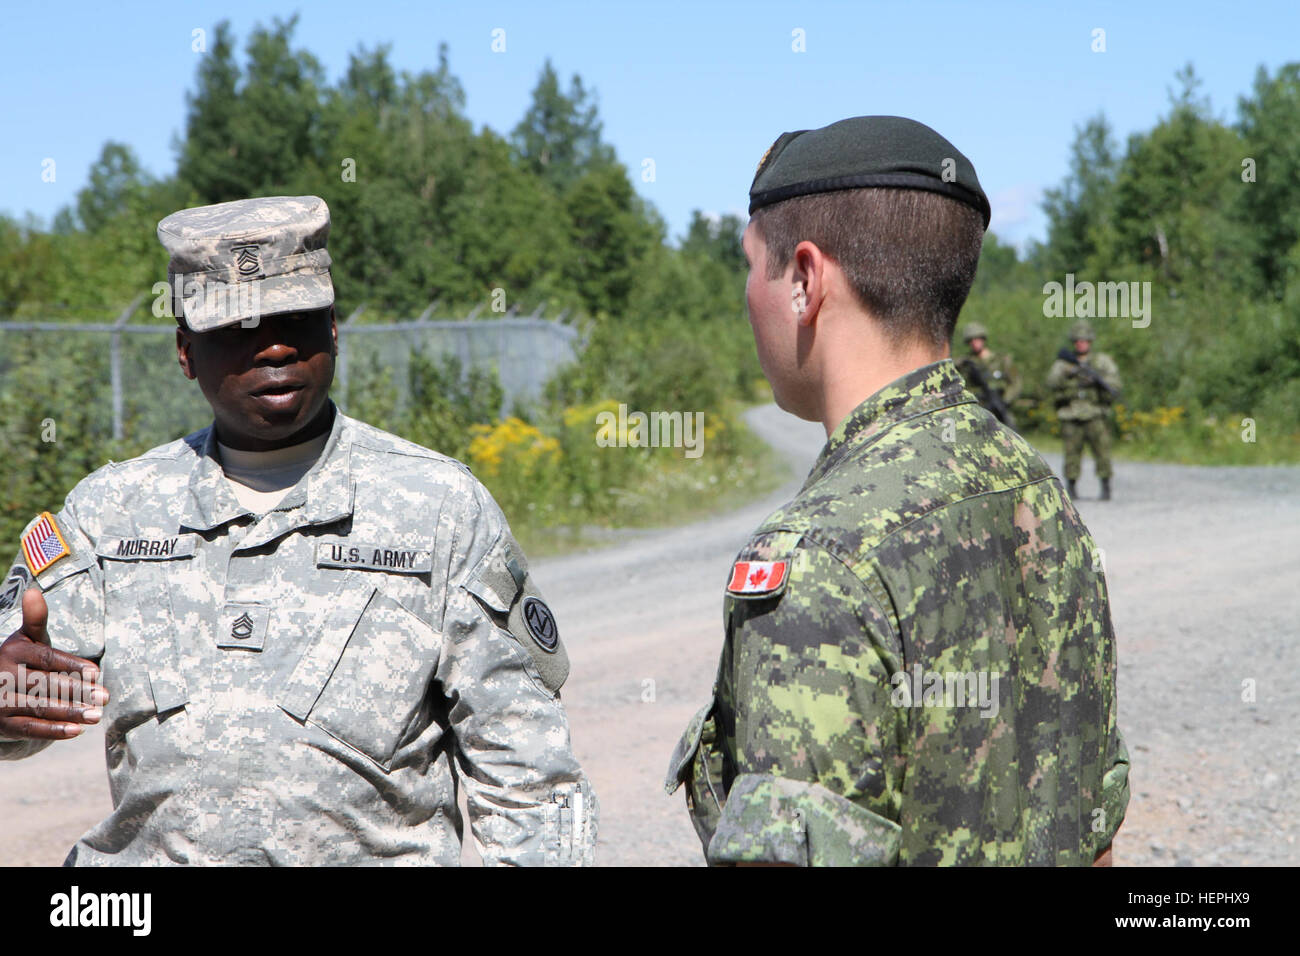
701,88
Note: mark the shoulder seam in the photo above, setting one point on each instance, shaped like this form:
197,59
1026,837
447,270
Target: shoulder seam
949,504
888,616
415,451
876,599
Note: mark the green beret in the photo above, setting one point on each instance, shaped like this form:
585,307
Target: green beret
889,152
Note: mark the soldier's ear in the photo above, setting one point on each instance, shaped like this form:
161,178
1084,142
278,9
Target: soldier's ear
183,352
334,331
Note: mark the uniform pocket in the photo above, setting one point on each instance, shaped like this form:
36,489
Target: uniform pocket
140,664
364,677
779,820
697,763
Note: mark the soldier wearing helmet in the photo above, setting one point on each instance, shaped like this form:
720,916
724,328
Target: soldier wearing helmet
1084,385
991,377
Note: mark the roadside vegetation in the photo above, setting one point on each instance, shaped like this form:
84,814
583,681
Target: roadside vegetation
426,207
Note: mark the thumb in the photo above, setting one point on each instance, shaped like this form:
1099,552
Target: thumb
35,615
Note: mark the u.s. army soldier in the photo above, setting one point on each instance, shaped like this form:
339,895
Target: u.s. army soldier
309,632
919,665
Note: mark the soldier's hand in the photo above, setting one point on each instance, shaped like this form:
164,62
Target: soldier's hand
48,695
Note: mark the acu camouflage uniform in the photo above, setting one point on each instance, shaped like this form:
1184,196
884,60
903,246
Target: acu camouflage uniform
299,687
1082,407
930,538
313,684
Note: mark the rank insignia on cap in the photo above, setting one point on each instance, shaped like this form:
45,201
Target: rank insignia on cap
755,578
43,545
247,259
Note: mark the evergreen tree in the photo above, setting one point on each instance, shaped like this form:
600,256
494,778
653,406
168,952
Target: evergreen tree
1080,206
559,136
1269,123
208,160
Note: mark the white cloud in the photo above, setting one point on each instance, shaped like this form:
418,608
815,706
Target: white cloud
1018,215
1014,207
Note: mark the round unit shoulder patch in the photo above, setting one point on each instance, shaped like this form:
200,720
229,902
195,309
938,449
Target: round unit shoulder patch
11,592
541,624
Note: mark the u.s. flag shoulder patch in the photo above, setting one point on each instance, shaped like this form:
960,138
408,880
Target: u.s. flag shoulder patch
43,544
758,578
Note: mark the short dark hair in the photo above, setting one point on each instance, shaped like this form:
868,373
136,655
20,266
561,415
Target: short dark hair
909,255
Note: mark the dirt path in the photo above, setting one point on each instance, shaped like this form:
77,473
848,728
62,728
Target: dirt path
1204,572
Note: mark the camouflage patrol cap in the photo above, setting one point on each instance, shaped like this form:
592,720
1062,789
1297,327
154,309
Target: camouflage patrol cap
974,330
1081,330
247,259
890,152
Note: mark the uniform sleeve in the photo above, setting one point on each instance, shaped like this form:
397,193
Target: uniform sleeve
1114,782
1014,382
529,801
73,593
1060,376
1114,789
811,745
1109,372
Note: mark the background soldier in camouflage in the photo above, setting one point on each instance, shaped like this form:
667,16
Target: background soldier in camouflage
1083,386
310,631
991,377
919,666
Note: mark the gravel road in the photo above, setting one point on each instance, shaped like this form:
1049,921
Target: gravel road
1204,573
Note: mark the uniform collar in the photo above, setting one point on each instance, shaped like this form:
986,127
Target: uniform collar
323,495
920,392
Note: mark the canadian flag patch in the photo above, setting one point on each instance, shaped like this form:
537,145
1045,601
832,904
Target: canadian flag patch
757,577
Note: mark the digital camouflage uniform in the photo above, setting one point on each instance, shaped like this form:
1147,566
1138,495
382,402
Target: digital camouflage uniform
926,540
1082,407
998,371
313,684
297,688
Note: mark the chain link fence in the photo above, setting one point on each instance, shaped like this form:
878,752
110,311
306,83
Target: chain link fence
129,383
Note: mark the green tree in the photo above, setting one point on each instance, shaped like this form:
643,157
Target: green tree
999,264
249,132
1174,193
559,137
1269,124
717,239
208,159
117,184
1081,206
610,232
